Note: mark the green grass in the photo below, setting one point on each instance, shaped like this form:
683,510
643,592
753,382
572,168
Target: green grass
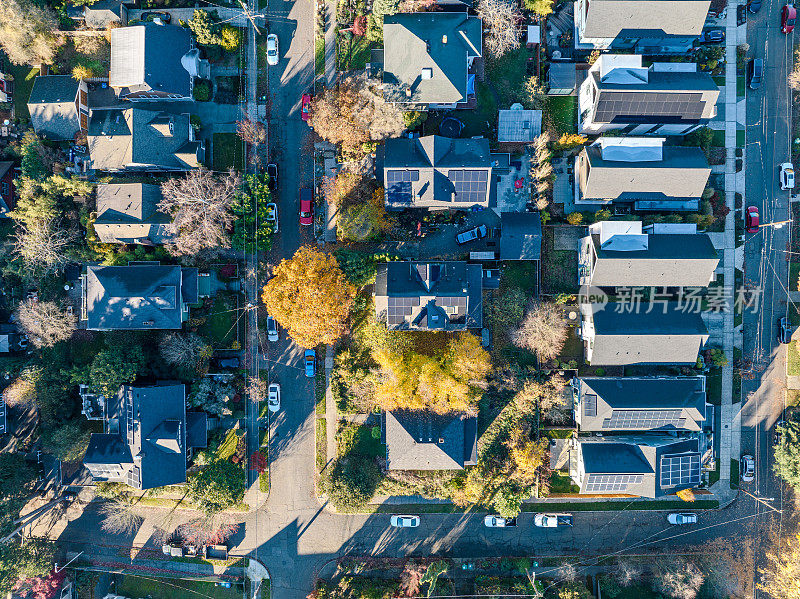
520,273
559,433
508,73
319,56
718,139
137,587
228,446
319,380
719,80
23,84
562,113
794,272
713,476
475,121
740,86
353,54
362,440
228,151
549,506
220,324
793,360
322,444
734,474
562,483
263,482
740,138
714,387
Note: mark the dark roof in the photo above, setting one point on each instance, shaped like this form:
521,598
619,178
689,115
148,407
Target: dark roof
54,114
421,440
8,201
639,337
100,15
137,297
520,236
637,403
437,172
148,57
645,18
128,213
442,296
427,53
614,458
196,429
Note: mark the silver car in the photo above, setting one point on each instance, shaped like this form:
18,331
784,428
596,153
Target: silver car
274,397
679,519
748,468
404,521
272,329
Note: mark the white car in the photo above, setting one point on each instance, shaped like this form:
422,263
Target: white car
787,176
679,519
274,397
494,522
272,49
272,215
748,468
405,521
545,520
272,329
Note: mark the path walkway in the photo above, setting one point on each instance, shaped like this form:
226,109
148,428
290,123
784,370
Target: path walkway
330,43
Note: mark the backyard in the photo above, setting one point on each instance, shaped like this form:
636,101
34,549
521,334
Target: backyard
561,114
559,267
227,152
23,84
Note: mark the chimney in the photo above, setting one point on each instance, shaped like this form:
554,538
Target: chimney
444,39
408,92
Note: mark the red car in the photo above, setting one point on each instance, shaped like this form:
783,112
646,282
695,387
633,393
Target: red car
305,111
788,15
751,219
306,207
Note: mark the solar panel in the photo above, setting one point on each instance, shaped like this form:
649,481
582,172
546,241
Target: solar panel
135,477
680,470
643,419
399,308
611,483
590,404
398,186
634,107
470,186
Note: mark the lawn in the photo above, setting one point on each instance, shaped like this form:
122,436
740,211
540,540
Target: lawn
740,86
354,54
483,119
793,360
23,84
228,151
718,139
522,274
559,267
319,56
794,271
508,73
221,323
137,587
740,138
360,439
562,483
714,383
561,113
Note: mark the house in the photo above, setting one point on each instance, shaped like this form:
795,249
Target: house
140,296
152,62
437,172
640,173
619,254
59,107
148,434
657,333
429,296
128,213
135,138
427,57
670,98
617,404
644,26
520,236
422,440
102,14
8,198
652,465
518,126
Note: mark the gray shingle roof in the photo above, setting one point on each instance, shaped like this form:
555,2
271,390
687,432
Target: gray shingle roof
128,213
520,236
645,18
639,337
100,15
54,114
418,440
148,57
519,126
635,403
439,41
443,296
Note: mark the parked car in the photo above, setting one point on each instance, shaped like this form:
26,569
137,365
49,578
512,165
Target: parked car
272,171
272,215
310,363
228,362
552,520
712,36
272,49
751,219
404,521
306,207
776,439
784,330
754,6
755,73
152,15
747,471
787,175
305,109
788,16
494,521
478,232
272,329
274,397
680,519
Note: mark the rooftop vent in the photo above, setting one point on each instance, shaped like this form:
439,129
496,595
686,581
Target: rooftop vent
427,73
444,39
441,440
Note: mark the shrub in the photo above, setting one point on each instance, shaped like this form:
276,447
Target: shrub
201,92
575,218
352,482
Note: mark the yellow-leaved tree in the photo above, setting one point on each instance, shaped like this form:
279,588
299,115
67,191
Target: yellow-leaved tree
310,297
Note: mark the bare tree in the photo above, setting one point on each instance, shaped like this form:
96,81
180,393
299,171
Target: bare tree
256,388
28,32
543,330
679,579
502,17
45,323
201,205
42,244
251,132
628,572
567,572
22,390
187,350
120,516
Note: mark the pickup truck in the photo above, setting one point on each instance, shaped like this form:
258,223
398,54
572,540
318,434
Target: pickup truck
552,520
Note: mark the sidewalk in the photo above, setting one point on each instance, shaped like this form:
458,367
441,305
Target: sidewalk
330,44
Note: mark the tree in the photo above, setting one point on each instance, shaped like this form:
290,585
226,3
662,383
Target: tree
502,17
43,245
120,516
185,350
21,393
204,28
37,161
574,590
543,331
68,442
787,454
44,587
381,8
258,462
352,482
230,37
540,7
362,222
571,140
250,131
45,323
23,561
575,218
679,579
310,297
535,92
201,205
115,366
780,576
82,71
28,32
509,308
212,395
217,487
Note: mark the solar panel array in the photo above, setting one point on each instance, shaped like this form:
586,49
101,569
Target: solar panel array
400,308
590,404
135,477
611,483
633,106
470,185
457,302
643,419
680,470
398,185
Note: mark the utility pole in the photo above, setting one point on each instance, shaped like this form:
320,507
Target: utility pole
762,500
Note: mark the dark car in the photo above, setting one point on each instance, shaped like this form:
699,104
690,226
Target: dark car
712,36
754,6
272,171
741,14
306,207
751,219
784,330
788,16
228,362
755,73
